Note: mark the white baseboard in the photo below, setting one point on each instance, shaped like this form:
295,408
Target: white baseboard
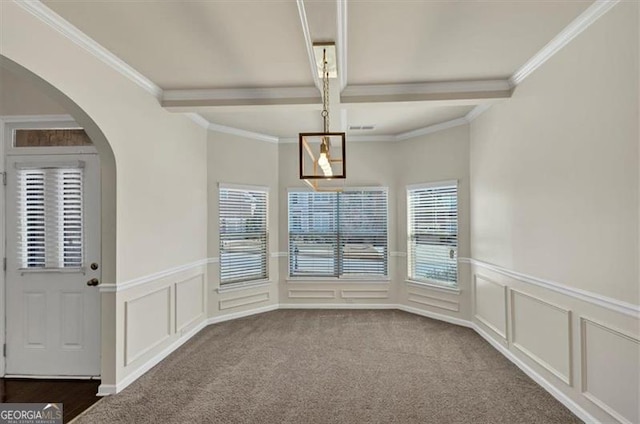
435,315
337,306
236,315
554,391
108,389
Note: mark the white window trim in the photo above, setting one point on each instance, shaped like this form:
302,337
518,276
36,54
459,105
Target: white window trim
435,285
245,285
246,187
359,280
432,184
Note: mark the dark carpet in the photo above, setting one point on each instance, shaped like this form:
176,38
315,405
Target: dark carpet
333,366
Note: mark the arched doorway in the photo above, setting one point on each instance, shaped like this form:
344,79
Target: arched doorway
105,196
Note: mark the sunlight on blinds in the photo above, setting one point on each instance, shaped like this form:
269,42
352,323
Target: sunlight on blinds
340,235
433,233
243,235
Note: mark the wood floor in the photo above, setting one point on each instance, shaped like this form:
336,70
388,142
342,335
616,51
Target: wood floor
75,395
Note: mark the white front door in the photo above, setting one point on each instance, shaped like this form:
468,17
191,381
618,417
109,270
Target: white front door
53,251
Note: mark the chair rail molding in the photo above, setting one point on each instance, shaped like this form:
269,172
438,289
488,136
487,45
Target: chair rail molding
587,296
110,287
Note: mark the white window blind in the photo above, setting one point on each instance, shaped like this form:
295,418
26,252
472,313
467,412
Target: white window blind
50,217
433,233
362,218
243,234
338,235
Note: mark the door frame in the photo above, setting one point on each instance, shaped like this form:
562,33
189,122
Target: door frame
7,124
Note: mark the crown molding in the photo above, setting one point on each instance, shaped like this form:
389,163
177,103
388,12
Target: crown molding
308,43
198,119
477,111
64,27
341,42
457,91
204,123
432,129
371,138
242,133
582,22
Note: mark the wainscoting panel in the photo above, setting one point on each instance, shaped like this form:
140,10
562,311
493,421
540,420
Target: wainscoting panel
189,302
364,293
243,300
312,294
611,370
542,332
490,304
433,301
582,347
147,323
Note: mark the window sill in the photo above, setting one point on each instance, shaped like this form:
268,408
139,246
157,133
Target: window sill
434,286
243,286
333,280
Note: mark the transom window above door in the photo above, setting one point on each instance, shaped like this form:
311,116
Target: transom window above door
36,137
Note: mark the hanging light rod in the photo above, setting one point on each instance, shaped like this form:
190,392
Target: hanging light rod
322,154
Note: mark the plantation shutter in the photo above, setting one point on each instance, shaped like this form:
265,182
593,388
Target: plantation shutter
50,207
433,233
313,234
243,234
362,221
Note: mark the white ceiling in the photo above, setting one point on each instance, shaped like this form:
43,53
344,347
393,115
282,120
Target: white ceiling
236,45
413,41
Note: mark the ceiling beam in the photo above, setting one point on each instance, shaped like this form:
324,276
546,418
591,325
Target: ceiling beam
308,43
183,100
453,92
428,91
341,42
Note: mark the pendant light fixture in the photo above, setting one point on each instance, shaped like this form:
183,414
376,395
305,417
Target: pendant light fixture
322,154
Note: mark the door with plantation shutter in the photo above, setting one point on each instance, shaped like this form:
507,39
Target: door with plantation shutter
53,237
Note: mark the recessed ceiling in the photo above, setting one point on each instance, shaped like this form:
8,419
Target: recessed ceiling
278,122
388,119
195,44
399,118
236,45
412,41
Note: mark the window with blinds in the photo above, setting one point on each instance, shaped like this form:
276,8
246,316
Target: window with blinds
433,233
50,218
243,234
340,235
